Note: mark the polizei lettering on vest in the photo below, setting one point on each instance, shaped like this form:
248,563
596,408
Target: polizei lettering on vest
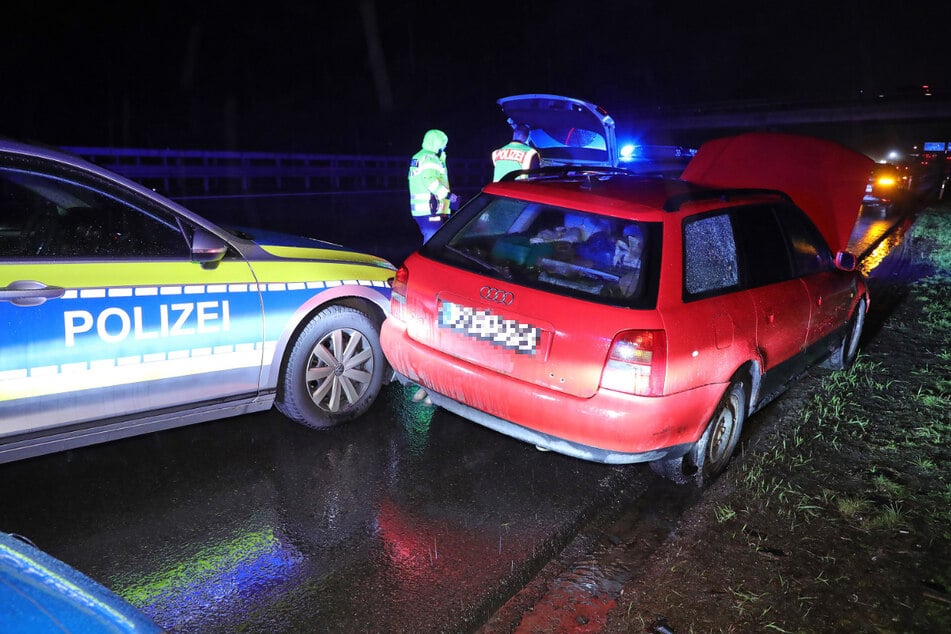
508,154
113,325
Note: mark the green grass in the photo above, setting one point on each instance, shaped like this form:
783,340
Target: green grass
933,225
853,508
889,518
744,599
724,513
845,413
864,460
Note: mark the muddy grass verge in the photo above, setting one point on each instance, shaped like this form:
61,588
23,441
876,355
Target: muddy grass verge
836,517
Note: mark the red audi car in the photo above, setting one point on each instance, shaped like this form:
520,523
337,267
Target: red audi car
620,318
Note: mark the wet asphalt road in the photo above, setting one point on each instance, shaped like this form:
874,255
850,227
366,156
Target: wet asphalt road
409,519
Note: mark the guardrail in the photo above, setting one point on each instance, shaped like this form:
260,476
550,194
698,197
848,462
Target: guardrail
199,172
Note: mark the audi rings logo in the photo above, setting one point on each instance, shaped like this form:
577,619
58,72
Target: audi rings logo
492,294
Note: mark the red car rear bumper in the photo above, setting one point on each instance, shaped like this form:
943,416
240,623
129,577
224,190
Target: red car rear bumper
610,427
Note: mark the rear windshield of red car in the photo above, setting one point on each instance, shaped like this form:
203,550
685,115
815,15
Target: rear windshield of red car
594,257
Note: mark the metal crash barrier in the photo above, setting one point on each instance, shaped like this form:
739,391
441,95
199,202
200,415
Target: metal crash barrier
178,173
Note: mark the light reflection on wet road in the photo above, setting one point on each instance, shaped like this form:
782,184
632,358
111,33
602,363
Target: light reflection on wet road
409,519
874,235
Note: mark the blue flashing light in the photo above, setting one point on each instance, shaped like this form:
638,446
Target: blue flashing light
629,152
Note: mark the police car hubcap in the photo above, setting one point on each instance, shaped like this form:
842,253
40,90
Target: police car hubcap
340,369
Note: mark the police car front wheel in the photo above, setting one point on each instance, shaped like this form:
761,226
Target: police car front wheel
335,369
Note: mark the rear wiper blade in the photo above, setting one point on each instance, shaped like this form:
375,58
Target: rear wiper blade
488,266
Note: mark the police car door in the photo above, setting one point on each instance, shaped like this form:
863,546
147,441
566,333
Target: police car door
104,314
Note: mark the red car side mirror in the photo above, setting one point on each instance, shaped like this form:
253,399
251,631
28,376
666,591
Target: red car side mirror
845,261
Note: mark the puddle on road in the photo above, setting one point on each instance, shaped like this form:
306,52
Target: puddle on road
885,246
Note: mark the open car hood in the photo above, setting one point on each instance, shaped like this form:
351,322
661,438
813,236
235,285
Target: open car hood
565,131
825,179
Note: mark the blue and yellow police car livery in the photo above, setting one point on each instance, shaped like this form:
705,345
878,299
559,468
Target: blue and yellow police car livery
123,313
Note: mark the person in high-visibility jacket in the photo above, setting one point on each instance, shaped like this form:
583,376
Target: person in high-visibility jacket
515,155
429,196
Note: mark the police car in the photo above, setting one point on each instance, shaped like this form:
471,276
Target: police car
122,313
564,130
573,132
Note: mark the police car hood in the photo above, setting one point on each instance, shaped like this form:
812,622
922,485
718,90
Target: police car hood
566,131
825,179
285,245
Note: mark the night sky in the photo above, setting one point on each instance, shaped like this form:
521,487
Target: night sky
371,76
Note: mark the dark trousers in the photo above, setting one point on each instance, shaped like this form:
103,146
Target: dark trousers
428,225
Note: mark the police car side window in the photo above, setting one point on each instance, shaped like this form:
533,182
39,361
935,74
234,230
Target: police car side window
14,212
49,217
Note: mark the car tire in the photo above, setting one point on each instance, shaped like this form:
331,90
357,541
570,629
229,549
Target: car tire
713,451
335,369
847,350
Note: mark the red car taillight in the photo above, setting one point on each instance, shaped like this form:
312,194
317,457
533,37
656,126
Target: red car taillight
636,363
398,293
